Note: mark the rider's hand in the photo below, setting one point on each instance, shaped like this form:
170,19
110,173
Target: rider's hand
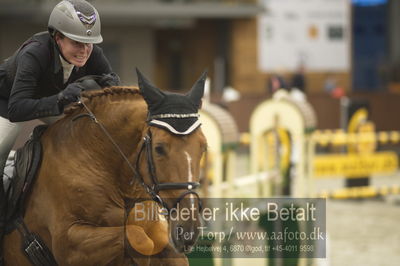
108,80
70,94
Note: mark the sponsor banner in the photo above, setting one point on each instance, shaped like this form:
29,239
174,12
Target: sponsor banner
315,33
355,165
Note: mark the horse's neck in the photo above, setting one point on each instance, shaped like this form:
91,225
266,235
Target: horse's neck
80,140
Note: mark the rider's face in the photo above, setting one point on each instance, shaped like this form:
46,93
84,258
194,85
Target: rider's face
77,53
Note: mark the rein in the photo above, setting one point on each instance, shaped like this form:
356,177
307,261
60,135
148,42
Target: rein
153,189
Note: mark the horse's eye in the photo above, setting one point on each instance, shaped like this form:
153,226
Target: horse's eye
160,150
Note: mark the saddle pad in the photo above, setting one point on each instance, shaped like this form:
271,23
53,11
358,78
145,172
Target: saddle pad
27,161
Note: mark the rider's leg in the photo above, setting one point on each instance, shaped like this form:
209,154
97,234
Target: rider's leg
8,134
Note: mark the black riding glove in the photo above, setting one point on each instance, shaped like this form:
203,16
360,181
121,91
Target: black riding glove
108,80
70,94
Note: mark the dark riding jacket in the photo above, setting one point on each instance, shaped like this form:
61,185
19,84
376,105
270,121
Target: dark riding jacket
31,79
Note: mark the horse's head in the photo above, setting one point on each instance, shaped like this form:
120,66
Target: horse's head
169,159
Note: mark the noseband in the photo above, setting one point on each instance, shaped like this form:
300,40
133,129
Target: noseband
155,187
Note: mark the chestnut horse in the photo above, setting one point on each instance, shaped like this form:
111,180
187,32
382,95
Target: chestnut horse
102,154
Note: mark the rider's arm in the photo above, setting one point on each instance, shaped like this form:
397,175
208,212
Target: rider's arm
24,103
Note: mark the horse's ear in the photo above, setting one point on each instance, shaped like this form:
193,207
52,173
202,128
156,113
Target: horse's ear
151,94
197,91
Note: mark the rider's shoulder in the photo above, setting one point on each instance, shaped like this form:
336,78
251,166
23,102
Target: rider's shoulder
39,46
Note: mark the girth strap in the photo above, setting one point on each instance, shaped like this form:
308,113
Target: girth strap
33,246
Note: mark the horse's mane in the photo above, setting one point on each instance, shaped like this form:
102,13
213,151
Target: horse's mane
88,96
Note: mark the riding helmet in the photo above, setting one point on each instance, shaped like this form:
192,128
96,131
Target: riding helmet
76,19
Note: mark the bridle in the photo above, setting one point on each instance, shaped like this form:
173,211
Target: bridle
155,187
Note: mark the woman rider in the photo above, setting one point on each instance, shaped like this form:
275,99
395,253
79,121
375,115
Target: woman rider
37,82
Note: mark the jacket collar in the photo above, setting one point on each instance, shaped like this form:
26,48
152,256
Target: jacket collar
56,57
